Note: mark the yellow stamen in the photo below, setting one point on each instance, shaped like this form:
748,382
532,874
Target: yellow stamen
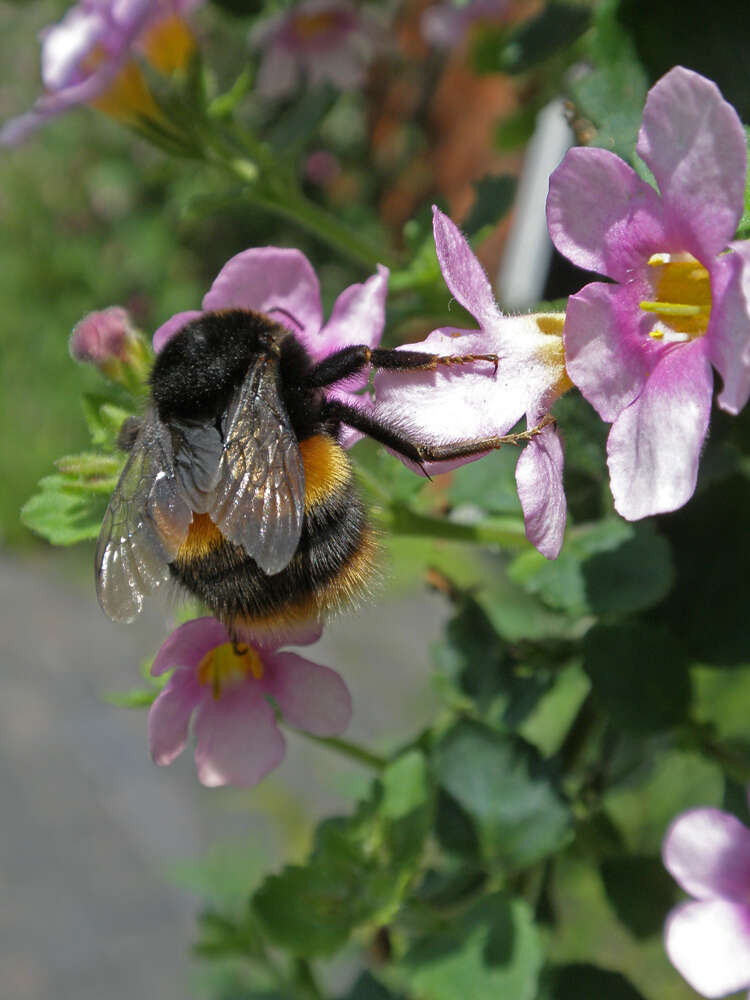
682,297
228,662
128,96
674,308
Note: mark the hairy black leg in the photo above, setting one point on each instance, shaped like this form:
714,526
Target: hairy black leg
350,360
336,411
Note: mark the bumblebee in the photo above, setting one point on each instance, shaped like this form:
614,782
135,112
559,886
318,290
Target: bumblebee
235,485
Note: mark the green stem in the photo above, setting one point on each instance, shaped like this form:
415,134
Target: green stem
293,205
305,978
348,749
506,531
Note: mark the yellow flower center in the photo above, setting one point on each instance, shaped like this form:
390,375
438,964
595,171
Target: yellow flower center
128,96
309,26
168,45
683,298
227,663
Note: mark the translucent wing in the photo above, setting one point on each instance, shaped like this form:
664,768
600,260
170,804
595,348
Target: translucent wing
260,497
146,522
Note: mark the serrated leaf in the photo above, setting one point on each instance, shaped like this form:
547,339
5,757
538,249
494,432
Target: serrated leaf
639,676
492,950
510,793
63,512
104,419
359,871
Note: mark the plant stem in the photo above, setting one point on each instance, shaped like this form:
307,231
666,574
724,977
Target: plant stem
506,531
348,749
305,978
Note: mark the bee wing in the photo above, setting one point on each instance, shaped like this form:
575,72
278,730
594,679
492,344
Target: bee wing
260,497
146,522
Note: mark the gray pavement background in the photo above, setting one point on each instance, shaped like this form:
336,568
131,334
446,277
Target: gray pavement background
90,829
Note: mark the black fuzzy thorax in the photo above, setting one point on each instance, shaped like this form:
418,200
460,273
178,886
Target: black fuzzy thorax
199,368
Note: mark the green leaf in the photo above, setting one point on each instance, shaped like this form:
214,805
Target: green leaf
489,484
104,419
63,513
135,698
405,785
611,96
743,230
677,781
640,890
556,27
367,987
639,676
609,567
454,828
494,197
510,793
492,950
360,868
587,982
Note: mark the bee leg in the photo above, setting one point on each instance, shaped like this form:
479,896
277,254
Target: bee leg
350,360
336,412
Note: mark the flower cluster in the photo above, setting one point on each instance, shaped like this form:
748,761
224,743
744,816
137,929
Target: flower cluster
91,57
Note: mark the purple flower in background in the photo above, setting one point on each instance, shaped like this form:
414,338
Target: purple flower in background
223,688
281,283
88,58
641,350
445,24
463,403
708,939
320,39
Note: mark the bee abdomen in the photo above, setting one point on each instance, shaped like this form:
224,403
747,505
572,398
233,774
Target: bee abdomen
333,563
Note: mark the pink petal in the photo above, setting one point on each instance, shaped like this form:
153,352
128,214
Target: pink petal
708,852
167,330
238,741
654,445
311,697
606,354
462,272
298,634
270,280
728,334
188,644
358,317
540,490
694,144
601,215
169,716
709,945
456,403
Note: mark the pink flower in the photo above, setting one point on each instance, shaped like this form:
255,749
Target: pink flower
88,58
463,403
223,688
445,24
641,350
320,39
708,938
282,283
101,337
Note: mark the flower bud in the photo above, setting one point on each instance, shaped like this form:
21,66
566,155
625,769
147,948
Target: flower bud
108,340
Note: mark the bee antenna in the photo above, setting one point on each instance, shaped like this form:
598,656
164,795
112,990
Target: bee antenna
288,316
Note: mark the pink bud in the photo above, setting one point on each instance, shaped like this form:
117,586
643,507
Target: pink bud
101,337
